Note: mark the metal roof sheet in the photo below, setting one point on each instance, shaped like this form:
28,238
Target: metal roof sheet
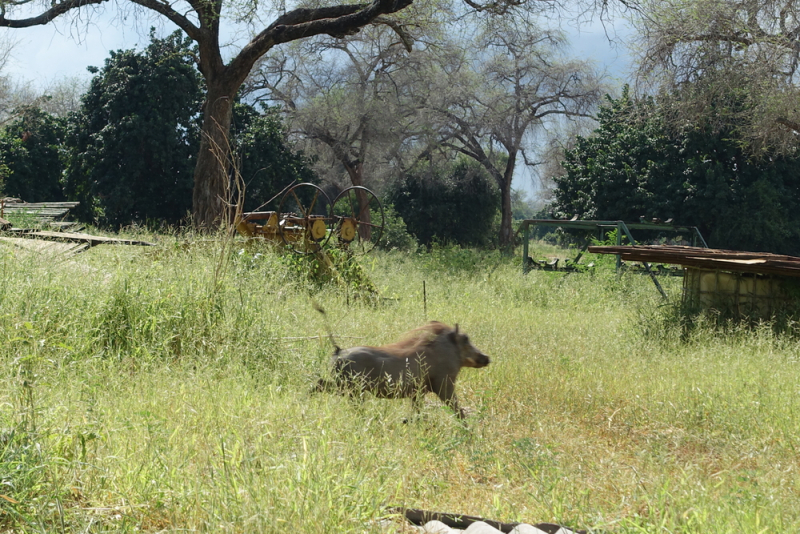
707,258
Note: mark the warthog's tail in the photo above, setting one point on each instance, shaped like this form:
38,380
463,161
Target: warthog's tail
320,309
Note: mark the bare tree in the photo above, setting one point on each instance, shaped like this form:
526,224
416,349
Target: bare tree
62,96
347,98
491,103
59,97
561,136
7,88
739,54
339,94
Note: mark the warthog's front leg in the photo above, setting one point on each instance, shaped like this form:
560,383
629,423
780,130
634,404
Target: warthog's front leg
446,390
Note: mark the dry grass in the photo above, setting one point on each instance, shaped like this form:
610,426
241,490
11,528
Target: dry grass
145,390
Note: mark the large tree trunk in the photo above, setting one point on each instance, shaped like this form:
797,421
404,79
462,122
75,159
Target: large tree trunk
506,230
212,192
506,215
504,184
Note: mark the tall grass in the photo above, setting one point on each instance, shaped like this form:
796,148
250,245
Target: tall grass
146,389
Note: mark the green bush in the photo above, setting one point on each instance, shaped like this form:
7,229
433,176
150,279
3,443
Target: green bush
32,156
456,203
395,232
134,139
639,164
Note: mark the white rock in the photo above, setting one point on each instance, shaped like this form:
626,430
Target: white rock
479,527
437,527
525,528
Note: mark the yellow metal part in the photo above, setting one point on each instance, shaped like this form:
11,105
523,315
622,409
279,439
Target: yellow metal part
248,227
347,231
273,220
317,230
245,228
304,233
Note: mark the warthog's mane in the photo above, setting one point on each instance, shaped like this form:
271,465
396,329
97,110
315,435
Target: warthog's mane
417,340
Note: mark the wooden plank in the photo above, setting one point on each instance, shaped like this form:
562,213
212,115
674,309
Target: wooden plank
38,205
46,247
42,211
92,240
37,211
66,226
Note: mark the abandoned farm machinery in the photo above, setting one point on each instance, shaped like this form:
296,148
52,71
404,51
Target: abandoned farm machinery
307,220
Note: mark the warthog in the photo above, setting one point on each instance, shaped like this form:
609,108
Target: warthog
427,359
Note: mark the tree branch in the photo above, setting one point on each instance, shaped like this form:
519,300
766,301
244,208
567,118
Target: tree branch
404,36
179,20
336,21
47,16
792,125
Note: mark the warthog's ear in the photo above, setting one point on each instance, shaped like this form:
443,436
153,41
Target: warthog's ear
454,335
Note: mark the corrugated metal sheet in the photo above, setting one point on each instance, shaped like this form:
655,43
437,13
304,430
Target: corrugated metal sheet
707,258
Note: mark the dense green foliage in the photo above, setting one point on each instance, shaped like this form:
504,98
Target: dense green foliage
265,159
636,166
135,137
456,203
395,232
32,150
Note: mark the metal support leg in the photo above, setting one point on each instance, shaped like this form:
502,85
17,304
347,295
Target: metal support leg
622,226
525,239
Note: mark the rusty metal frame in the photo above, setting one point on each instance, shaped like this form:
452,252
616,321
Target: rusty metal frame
601,226
295,231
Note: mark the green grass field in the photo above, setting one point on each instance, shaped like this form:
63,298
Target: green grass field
166,389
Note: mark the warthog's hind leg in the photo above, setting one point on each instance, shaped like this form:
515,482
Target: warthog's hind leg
416,405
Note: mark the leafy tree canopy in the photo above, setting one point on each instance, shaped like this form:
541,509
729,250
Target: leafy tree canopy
31,147
136,135
637,164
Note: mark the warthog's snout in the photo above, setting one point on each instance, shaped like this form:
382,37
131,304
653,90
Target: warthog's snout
477,361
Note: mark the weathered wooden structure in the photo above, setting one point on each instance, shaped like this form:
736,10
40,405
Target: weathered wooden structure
71,242
752,284
50,213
